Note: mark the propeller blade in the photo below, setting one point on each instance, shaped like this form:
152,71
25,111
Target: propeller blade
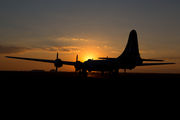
57,55
56,69
76,58
124,70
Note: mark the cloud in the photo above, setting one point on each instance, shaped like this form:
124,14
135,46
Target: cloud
169,57
12,49
64,49
106,47
115,52
144,51
173,58
72,39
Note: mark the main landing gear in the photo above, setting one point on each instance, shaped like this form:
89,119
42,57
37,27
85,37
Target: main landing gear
124,71
83,72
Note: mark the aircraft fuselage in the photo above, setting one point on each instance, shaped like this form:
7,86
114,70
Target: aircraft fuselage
110,65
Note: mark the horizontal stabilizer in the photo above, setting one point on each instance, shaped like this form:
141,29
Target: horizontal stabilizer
152,60
148,64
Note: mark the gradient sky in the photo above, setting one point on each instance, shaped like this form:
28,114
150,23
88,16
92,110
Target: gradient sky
89,28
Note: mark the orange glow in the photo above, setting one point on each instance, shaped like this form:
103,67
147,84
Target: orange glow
83,55
86,57
90,54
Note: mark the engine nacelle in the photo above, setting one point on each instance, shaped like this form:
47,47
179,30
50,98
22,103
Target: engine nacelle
58,63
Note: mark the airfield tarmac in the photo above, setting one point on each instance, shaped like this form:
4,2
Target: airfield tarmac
28,75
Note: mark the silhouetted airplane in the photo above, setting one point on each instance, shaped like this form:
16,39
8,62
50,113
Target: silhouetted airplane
129,59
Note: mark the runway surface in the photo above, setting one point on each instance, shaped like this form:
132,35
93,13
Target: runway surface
68,85
27,75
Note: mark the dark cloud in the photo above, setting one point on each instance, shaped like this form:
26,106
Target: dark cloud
12,49
68,49
172,58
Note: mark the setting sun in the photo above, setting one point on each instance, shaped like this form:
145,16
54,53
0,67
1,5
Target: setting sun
88,56
89,53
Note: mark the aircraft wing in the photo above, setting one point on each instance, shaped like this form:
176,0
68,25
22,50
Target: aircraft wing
148,64
33,59
70,63
44,60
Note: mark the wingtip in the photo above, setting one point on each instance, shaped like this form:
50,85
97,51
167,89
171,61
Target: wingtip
9,57
172,63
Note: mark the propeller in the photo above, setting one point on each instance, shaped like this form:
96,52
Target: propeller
57,59
58,63
76,69
78,64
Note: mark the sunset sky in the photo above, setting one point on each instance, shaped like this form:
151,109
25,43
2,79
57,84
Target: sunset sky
89,28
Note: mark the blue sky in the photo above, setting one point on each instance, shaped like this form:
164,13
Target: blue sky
70,27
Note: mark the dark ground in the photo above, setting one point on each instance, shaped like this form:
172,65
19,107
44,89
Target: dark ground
67,86
12,75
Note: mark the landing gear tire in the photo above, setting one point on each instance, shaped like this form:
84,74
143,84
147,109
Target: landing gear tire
117,72
80,72
102,72
84,73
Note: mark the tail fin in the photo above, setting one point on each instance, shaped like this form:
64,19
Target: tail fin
132,49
